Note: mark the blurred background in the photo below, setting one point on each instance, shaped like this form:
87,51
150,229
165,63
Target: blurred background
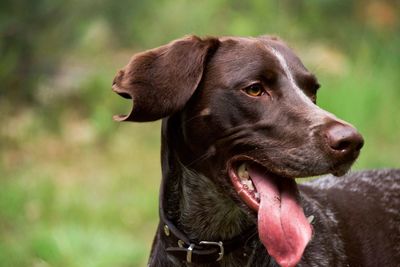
78,189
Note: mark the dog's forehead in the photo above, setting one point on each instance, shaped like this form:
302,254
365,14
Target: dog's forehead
256,46
241,56
273,43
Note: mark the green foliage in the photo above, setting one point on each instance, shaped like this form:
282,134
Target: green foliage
78,189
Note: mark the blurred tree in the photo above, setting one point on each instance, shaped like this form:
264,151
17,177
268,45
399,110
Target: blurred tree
33,37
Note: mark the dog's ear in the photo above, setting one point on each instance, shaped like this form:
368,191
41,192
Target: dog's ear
160,81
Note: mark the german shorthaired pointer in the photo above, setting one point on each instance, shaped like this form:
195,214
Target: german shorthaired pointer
240,121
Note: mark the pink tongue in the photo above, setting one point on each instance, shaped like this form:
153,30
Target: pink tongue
282,226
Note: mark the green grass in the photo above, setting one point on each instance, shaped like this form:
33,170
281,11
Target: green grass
67,201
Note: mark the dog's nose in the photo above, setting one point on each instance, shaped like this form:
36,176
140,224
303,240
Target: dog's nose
344,138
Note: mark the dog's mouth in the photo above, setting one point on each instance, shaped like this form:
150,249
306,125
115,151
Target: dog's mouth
282,226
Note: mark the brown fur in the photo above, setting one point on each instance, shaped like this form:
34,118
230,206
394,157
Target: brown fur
198,87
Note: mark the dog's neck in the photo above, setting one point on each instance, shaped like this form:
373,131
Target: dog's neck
206,213
194,202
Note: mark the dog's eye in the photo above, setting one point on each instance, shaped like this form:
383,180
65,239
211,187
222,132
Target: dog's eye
255,89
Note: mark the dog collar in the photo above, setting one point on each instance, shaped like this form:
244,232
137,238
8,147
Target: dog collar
202,251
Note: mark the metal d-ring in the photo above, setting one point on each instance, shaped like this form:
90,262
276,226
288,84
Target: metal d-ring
189,253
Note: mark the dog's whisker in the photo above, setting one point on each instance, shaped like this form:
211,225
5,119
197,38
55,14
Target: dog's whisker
185,122
240,133
209,153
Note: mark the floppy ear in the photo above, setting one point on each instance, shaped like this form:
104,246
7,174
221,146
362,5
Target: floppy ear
160,81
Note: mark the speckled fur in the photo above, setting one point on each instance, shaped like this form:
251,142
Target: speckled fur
207,210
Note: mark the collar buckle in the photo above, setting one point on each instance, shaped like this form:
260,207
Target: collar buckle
219,244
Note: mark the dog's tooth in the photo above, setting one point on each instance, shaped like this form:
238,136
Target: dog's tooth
257,195
242,172
310,218
249,185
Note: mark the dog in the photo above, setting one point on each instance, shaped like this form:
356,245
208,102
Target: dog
239,123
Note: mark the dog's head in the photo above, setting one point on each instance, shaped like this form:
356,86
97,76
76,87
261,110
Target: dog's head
247,107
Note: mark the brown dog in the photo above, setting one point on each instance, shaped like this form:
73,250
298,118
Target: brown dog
240,121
